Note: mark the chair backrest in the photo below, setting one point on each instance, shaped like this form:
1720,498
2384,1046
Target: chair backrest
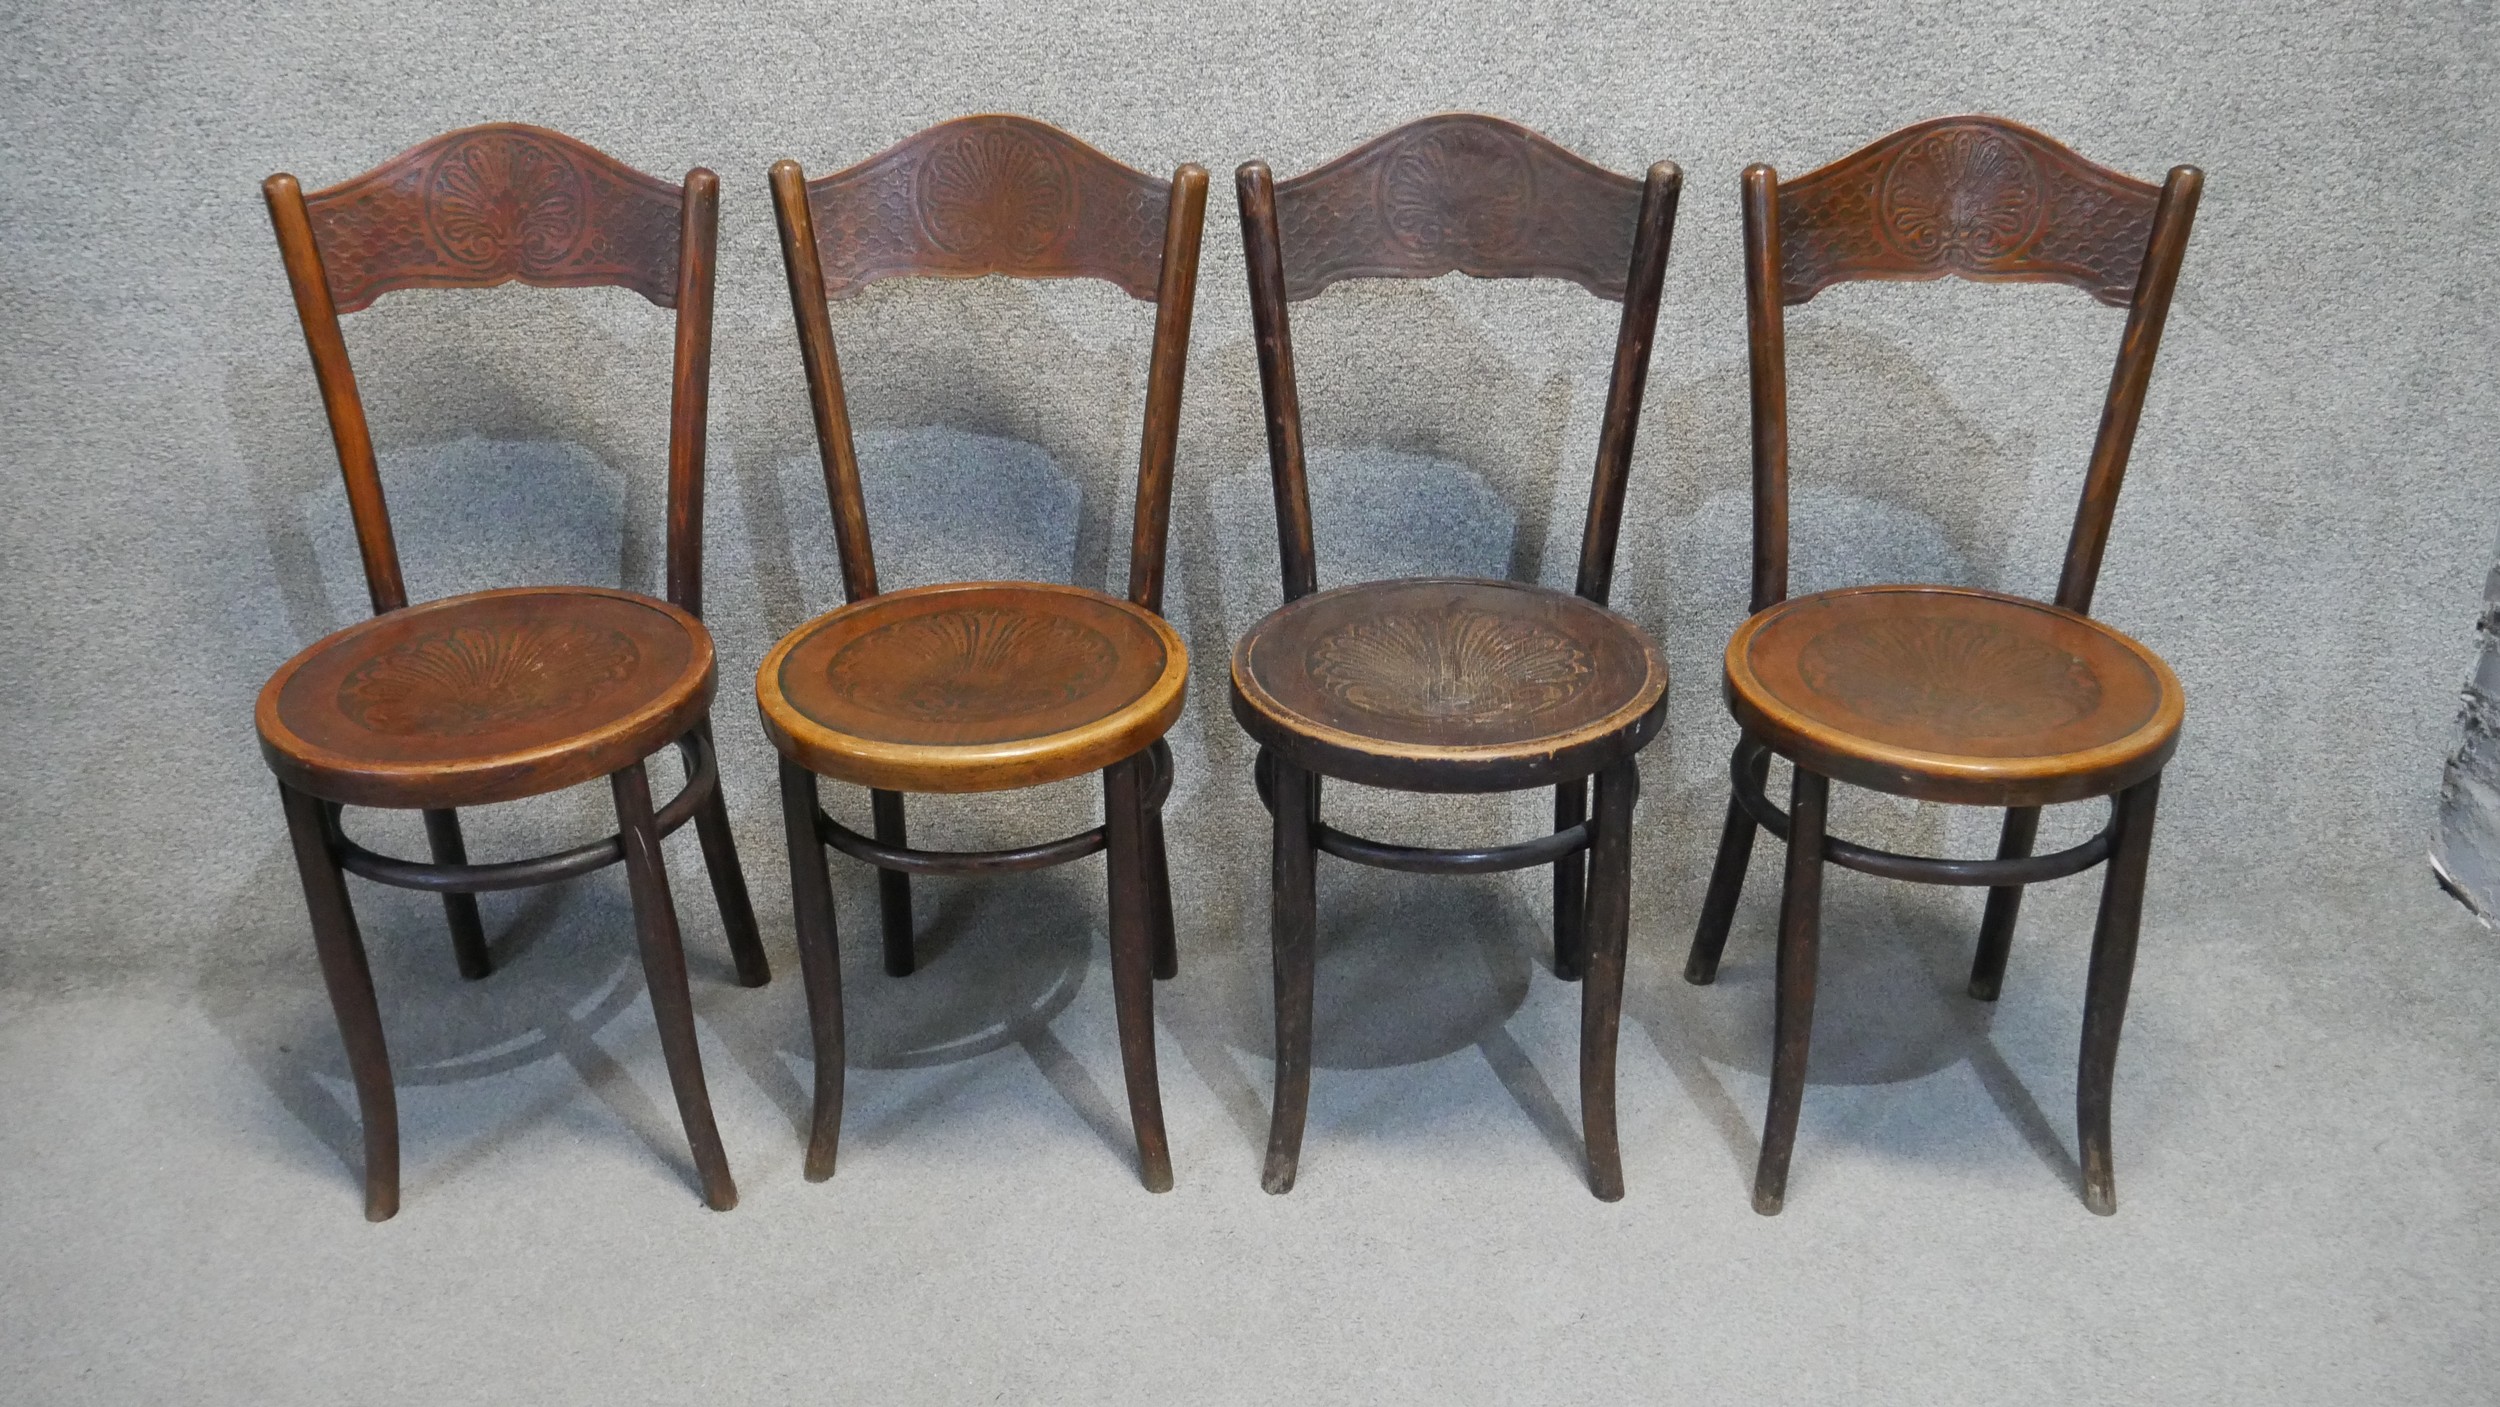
993,194
489,205
1456,193
1981,198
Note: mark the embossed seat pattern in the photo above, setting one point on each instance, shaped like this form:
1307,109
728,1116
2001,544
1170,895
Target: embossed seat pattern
470,688
958,674
1924,675
1487,669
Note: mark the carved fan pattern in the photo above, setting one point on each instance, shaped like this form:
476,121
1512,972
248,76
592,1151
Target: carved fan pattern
1977,197
1963,197
1456,190
997,187
990,195
489,205
494,203
1458,193
470,680
1460,666
1964,677
971,665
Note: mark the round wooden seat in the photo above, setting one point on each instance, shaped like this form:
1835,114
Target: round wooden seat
1950,694
1434,684
972,686
486,697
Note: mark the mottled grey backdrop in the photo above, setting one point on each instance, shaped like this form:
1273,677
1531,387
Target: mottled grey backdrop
2304,535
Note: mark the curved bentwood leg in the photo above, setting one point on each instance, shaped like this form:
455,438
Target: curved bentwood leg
1159,880
820,962
1294,925
2105,991
1801,918
1601,995
729,881
1571,886
1996,927
664,972
893,886
468,933
1727,882
350,980
1132,962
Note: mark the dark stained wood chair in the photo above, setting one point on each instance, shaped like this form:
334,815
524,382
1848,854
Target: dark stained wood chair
498,695
1941,693
985,686
1449,685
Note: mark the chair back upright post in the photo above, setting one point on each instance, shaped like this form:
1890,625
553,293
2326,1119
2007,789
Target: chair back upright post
1456,193
488,205
1980,198
993,194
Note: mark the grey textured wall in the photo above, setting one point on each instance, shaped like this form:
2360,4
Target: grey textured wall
2304,534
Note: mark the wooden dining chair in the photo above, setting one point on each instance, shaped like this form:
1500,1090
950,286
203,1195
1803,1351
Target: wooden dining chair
1454,685
1944,693
992,685
498,695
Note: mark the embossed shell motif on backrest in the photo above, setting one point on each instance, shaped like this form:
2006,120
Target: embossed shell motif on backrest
497,204
1458,193
1978,197
992,194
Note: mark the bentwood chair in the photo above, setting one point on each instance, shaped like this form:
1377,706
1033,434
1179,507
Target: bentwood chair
993,685
1943,693
1453,685
498,695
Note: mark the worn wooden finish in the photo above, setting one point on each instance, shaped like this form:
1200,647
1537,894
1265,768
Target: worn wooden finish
1801,923
486,697
2105,990
1601,993
1450,686
976,686
1458,193
1951,694
468,932
664,968
1940,693
350,982
820,963
1133,962
503,694
1293,918
986,686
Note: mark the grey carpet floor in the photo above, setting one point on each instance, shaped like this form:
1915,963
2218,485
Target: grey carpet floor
2306,1155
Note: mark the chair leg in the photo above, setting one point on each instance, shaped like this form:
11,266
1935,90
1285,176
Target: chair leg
820,962
729,881
1132,963
1801,917
350,980
1159,893
893,886
2105,991
1996,928
664,971
1294,925
1601,995
1571,886
468,934
1727,885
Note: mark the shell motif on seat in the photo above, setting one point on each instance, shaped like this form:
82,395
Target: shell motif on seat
1950,694
973,686
1437,684
486,697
